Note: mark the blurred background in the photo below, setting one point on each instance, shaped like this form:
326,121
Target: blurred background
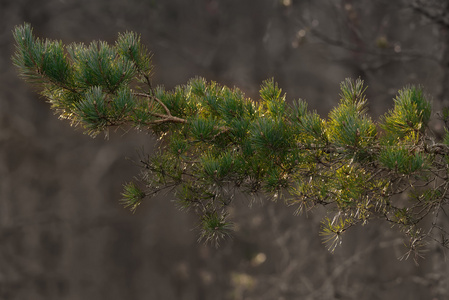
63,233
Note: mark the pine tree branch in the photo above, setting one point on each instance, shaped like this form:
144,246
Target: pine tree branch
227,143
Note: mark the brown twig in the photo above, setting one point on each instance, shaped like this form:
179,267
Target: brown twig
157,100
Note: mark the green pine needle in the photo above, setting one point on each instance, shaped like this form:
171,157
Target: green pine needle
132,196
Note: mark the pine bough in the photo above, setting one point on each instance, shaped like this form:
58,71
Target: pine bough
215,143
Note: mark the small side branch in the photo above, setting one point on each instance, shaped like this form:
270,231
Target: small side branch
157,100
167,119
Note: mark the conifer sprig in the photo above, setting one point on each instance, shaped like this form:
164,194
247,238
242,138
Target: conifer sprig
218,144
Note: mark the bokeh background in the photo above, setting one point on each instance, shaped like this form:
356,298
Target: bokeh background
63,233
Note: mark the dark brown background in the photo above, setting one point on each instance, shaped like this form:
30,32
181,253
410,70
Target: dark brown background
63,234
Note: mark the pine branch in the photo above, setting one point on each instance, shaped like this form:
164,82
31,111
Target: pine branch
218,143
